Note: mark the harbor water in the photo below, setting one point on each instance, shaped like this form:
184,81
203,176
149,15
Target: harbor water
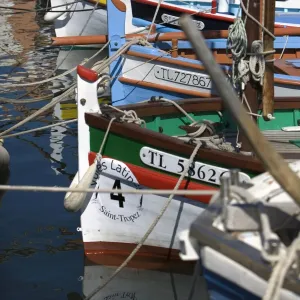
41,250
41,253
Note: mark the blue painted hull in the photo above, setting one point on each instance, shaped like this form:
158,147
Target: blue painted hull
220,288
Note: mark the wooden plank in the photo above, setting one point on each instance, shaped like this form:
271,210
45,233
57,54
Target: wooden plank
282,66
268,86
251,90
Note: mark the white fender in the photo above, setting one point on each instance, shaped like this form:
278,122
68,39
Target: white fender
87,101
74,201
4,157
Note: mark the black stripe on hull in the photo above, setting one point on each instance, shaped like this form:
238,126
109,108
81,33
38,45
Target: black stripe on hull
146,12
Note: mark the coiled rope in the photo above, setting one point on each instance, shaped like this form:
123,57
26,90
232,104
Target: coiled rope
257,63
237,42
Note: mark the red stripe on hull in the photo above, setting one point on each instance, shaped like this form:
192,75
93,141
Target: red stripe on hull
148,257
217,17
156,180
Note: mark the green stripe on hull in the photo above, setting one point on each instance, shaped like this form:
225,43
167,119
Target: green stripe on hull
169,124
128,150
283,118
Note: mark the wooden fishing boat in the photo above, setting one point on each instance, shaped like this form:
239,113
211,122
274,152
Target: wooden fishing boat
87,23
169,12
143,71
153,158
240,242
124,219
251,230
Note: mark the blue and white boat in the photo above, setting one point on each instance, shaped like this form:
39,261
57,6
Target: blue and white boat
91,20
146,70
247,241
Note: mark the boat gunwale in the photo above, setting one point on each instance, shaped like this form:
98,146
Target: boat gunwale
167,143
197,66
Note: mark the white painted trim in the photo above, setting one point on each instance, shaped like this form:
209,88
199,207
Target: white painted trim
88,91
175,164
291,128
137,68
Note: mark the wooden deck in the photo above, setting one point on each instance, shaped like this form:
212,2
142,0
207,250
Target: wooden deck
280,140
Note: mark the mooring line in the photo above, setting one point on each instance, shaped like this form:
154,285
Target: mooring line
38,129
57,189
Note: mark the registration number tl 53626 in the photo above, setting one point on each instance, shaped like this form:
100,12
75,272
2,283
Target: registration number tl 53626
175,164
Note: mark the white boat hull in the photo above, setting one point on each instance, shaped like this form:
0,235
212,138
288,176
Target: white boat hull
107,220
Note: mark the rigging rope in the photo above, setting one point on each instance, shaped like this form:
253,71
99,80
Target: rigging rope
129,116
57,189
63,97
154,17
38,129
39,9
280,270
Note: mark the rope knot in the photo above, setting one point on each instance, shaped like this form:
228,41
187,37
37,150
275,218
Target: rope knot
144,42
257,63
98,157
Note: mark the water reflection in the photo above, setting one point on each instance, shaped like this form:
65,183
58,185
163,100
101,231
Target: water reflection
144,284
41,254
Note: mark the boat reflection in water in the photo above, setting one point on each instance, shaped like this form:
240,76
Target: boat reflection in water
163,281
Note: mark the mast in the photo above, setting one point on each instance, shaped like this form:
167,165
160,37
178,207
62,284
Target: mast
252,89
268,87
264,12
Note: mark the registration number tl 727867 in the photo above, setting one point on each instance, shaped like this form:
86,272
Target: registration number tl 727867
182,77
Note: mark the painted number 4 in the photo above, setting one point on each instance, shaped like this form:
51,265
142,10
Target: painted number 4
119,197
